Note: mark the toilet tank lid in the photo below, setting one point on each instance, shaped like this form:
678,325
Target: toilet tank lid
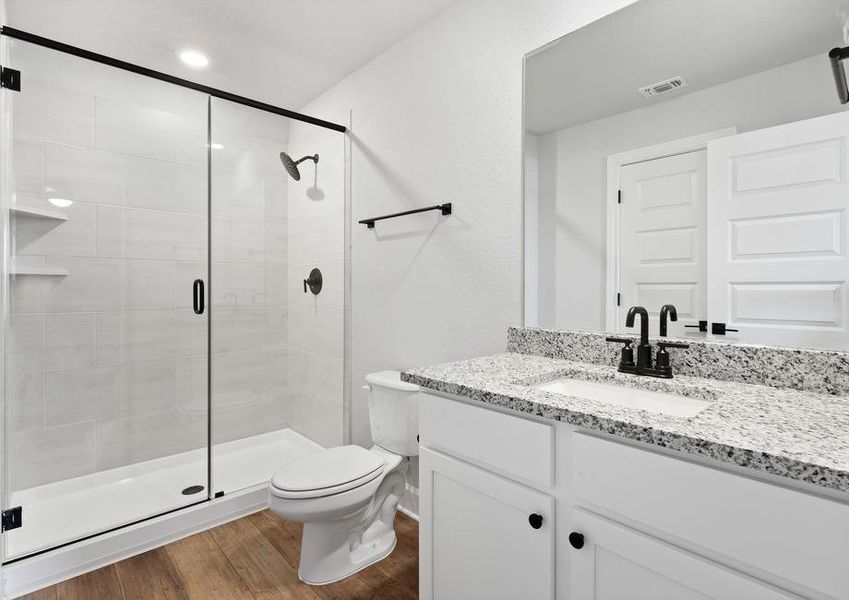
392,380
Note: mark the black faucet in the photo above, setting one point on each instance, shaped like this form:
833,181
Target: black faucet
667,309
644,349
644,365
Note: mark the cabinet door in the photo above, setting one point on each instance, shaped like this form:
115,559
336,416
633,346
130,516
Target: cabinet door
476,537
619,563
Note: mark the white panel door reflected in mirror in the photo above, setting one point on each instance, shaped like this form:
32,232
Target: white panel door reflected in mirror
691,153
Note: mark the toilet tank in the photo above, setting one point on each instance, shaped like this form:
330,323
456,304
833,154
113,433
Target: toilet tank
393,407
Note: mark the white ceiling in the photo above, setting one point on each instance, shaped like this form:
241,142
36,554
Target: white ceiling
596,71
285,52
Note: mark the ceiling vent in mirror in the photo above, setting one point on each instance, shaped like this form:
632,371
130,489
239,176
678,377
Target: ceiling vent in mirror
667,85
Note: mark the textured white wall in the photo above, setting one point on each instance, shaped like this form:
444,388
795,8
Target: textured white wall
438,118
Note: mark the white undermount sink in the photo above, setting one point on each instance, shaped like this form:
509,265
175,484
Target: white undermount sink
611,393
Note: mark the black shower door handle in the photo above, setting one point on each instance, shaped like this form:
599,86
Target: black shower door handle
198,296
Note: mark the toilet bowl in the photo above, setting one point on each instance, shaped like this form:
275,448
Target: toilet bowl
347,496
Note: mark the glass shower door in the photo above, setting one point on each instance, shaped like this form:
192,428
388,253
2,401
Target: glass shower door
106,338
277,347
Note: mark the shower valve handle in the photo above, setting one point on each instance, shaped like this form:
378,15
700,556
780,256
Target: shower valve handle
314,282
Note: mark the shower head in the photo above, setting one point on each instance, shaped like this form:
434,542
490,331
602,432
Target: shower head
292,165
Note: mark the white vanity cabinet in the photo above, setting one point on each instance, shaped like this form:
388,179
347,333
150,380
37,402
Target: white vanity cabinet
487,537
619,563
645,522
487,515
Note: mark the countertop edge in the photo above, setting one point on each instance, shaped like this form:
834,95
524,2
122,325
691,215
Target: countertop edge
773,464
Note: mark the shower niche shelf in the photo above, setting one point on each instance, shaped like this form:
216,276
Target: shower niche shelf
37,213
43,272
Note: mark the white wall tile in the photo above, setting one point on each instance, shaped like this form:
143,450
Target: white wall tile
27,409
48,112
318,420
135,335
261,414
150,284
316,239
99,285
77,395
128,441
277,282
237,240
28,171
68,341
239,376
249,153
26,294
322,380
191,383
38,456
26,344
276,198
277,242
237,194
238,284
121,180
91,285
134,233
151,132
74,237
317,330
248,328
145,386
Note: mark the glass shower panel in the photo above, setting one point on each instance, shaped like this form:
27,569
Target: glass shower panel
106,409
277,351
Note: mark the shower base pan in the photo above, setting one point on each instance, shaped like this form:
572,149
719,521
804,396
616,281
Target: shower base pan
67,510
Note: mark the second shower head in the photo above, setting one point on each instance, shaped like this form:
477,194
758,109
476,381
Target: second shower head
292,165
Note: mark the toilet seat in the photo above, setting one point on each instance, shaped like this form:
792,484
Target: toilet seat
327,472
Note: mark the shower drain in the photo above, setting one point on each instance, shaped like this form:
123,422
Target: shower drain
192,489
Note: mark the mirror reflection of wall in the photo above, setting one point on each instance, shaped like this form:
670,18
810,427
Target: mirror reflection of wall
691,153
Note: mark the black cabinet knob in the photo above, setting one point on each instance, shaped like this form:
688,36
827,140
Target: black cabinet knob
576,540
535,520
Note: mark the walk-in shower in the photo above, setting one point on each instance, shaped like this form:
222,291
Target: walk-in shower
130,389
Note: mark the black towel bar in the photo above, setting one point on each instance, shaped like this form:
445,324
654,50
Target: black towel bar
445,208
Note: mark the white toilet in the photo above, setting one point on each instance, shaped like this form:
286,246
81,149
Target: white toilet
347,496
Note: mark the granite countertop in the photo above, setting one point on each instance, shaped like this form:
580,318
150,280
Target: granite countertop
801,435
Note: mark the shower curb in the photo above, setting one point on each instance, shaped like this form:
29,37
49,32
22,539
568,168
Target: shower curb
52,567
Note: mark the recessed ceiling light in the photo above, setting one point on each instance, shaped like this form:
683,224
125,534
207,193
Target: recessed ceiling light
60,202
215,146
193,58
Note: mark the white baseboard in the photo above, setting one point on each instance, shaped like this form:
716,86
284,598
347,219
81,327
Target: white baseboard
30,574
409,504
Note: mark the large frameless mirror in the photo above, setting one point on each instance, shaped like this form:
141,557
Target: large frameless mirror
695,154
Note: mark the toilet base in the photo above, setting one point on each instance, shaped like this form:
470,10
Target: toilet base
327,556
346,532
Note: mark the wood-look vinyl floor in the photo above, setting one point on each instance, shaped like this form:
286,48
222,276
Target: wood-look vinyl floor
252,557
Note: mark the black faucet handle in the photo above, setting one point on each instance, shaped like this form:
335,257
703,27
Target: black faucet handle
702,326
663,345
626,357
